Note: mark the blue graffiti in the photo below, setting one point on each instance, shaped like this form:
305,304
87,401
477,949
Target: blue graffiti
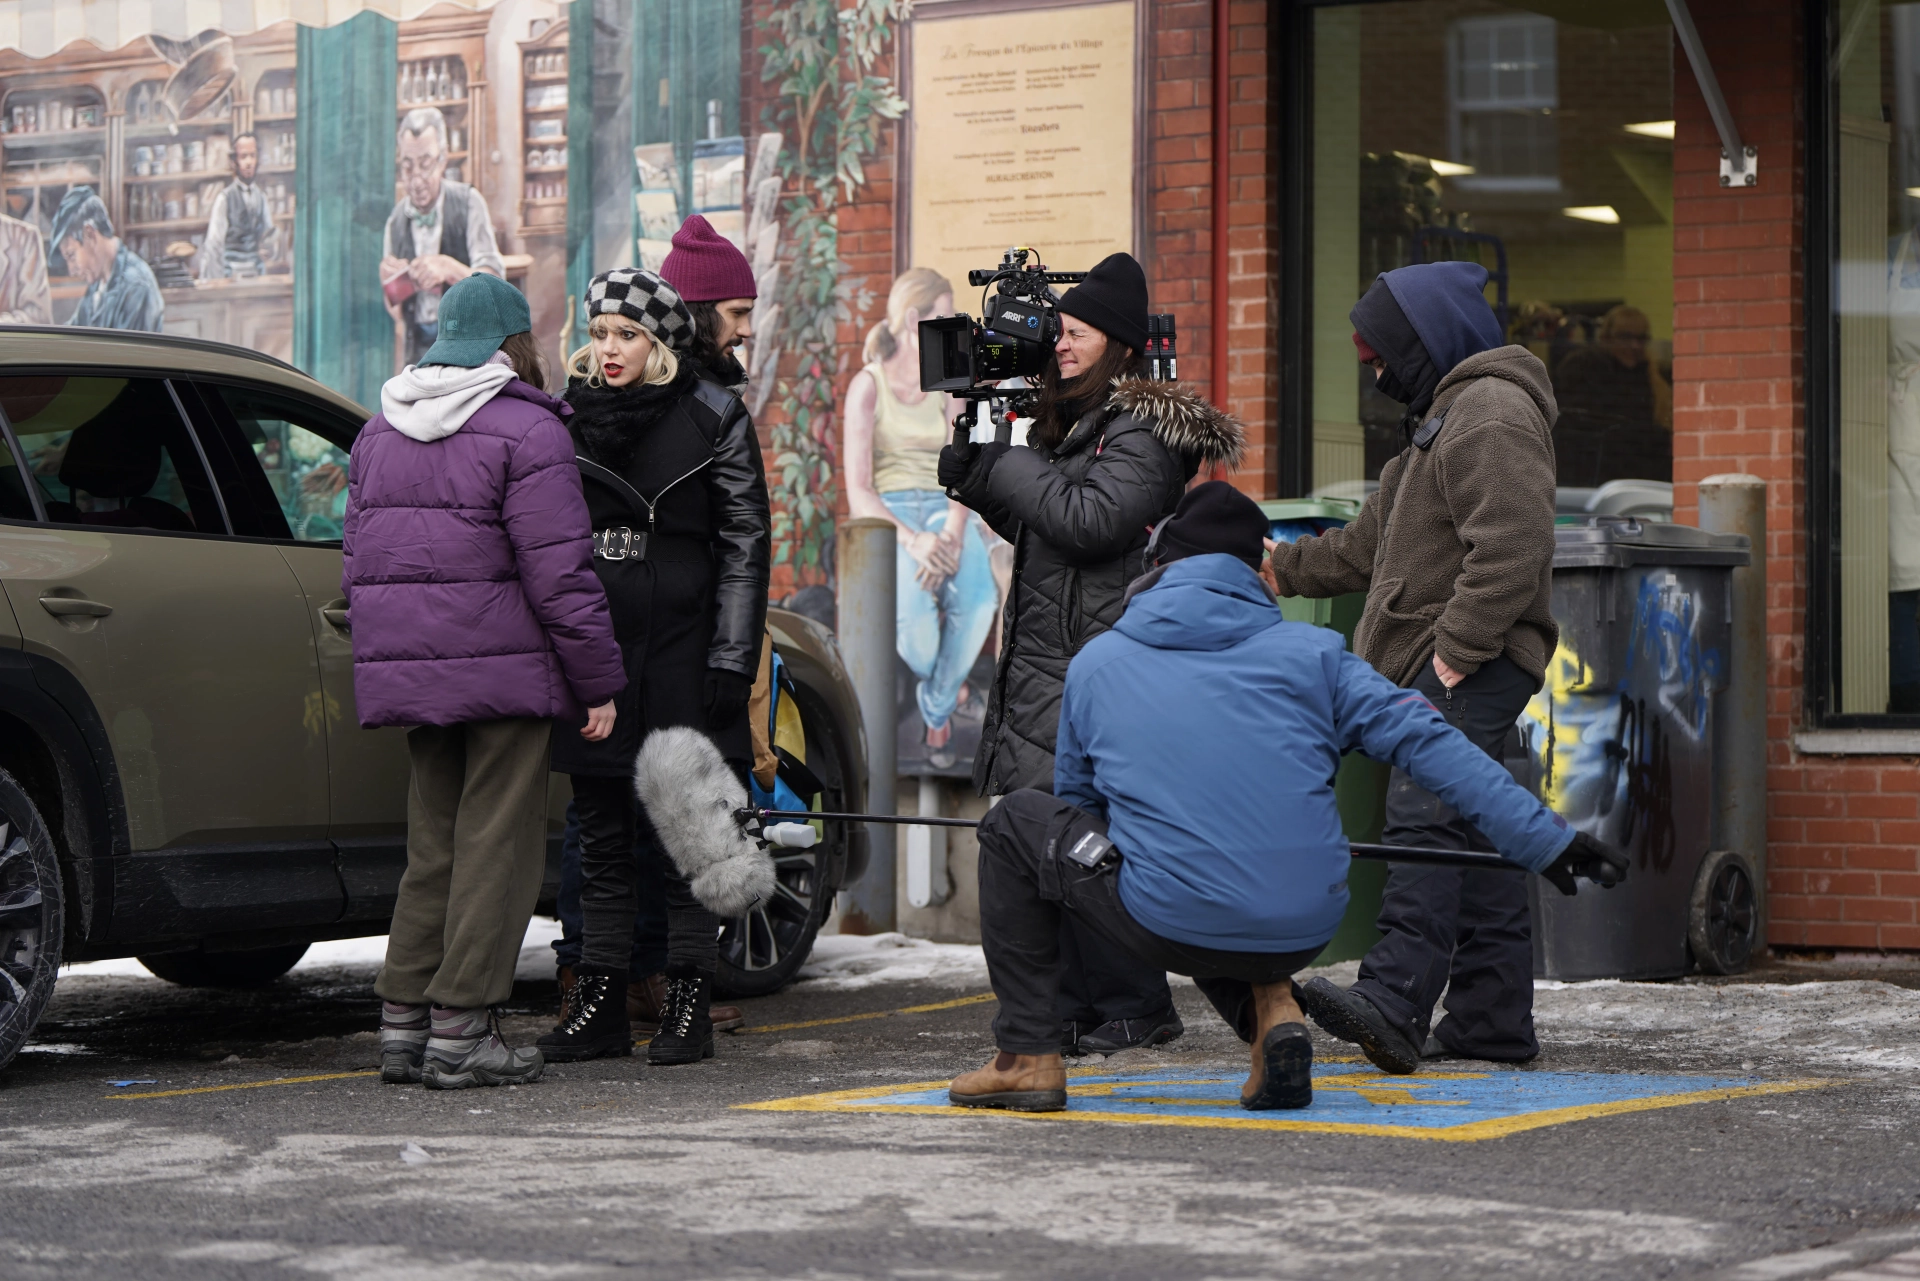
1666,635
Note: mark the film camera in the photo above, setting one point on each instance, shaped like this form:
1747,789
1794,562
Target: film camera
1019,325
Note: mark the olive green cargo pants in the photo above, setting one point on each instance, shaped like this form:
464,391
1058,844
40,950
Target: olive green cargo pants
476,849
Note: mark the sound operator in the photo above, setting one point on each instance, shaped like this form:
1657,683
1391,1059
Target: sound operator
1107,456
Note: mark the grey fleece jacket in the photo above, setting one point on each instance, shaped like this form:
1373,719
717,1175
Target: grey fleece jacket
1455,550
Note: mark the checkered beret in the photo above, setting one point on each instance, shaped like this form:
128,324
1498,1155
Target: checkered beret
644,297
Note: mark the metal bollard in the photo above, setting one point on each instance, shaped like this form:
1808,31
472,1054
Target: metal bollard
1736,503
866,614
928,881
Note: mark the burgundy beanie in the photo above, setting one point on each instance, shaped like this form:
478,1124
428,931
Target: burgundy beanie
705,267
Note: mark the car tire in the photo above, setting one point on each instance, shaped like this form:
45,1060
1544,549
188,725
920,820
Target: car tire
225,969
1723,917
762,952
31,917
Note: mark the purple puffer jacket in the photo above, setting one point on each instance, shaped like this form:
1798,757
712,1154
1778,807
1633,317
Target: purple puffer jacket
468,563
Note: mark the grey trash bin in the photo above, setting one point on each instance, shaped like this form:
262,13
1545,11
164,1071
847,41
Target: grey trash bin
1620,742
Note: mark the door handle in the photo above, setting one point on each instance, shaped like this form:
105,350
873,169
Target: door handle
74,607
337,615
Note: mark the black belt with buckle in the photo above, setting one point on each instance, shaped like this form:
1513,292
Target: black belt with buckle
637,544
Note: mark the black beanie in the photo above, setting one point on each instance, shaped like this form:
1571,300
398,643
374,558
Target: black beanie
1213,518
1113,299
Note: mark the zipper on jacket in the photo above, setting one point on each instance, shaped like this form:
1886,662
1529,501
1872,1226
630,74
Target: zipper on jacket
663,492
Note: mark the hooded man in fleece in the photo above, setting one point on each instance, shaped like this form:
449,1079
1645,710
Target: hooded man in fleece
1455,554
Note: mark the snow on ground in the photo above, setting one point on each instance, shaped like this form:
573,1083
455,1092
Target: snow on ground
536,957
1854,1024
842,962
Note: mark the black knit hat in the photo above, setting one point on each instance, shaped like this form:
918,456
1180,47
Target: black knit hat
1113,299
1212,518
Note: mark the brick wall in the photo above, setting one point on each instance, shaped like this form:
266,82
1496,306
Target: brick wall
1841,831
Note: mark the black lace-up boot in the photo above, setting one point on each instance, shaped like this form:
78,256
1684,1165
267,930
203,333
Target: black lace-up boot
593,1019
686,1023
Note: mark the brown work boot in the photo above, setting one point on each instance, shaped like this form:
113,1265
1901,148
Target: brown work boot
644,997
1282,1076
1017,1082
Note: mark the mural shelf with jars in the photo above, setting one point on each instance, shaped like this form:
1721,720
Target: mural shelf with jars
543,142
51,139
442,65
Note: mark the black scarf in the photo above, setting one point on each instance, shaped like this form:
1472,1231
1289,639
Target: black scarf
611,420
722,367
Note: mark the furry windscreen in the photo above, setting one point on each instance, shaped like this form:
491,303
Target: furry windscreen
691,795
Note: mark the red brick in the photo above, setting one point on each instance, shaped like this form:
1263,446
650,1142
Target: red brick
1890,910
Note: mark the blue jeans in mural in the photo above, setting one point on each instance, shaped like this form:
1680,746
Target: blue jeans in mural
939,634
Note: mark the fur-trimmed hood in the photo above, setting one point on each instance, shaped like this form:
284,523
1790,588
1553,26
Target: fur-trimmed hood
1183,419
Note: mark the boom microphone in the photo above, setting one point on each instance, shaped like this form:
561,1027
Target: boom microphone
692,797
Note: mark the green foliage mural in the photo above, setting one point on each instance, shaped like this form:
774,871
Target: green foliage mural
830,108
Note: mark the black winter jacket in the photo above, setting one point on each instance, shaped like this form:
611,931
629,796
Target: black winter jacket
1079,517
698,598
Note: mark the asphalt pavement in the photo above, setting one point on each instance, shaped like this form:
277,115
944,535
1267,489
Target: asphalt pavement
1757,1131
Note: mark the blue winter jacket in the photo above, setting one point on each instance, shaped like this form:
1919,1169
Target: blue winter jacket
1206,730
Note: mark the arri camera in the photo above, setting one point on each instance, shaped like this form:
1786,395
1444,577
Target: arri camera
968,359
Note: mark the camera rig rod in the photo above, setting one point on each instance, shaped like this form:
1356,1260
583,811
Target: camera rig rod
1359,849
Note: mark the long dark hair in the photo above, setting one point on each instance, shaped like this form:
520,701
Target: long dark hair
705,350
529,366
1064,400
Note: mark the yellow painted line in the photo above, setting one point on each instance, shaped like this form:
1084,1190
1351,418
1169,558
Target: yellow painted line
1469,1132
980,999
244,1085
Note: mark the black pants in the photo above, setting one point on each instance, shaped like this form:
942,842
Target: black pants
1461,930
613,826
1028,887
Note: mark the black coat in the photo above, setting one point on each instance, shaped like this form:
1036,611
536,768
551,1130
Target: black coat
698,599
1079,517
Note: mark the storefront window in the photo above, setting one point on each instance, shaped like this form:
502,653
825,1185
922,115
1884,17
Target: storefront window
1539,146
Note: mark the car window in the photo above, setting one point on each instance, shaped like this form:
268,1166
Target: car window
14,503
110,452
303,452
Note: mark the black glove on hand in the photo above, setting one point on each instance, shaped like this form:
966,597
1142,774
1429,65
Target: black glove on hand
1595,860
990,453
727,694
953,468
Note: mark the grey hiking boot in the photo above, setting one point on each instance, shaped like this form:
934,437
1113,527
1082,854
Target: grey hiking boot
466,1050
403,1041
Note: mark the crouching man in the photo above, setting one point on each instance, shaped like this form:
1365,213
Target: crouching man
1193,819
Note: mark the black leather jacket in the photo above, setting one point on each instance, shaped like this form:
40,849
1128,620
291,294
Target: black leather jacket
698,598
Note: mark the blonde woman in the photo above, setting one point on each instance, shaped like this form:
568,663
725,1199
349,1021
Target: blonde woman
946,597
678,501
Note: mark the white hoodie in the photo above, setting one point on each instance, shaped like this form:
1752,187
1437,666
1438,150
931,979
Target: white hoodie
431,402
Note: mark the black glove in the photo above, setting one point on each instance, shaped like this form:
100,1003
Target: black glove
727,694
1595,860
953,468
990,453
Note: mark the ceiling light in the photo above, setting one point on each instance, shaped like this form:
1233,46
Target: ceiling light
1592,213
1653,129
1448,169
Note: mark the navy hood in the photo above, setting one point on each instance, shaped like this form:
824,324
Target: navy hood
1424,320
1209,602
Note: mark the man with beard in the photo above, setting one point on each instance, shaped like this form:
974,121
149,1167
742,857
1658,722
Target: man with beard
439,233
241,237
1455,553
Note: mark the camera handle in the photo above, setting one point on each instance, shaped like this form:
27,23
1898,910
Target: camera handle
963,445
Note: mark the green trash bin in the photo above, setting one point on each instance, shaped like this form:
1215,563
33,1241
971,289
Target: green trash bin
1360,787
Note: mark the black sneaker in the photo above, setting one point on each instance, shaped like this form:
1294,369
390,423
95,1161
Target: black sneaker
593,1019
1132,1034
1352,1017
1287,1055
686,1022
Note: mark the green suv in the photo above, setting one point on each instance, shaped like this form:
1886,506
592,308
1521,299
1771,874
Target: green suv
183,777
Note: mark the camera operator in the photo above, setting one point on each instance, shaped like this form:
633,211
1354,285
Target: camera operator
1455,553
1195,825
1108,455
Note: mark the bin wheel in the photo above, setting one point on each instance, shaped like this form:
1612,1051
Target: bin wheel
1723,918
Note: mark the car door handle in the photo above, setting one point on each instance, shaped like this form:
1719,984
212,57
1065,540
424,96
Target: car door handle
337,615
74,607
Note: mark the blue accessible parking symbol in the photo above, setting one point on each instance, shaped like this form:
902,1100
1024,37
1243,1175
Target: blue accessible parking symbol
1348,1098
